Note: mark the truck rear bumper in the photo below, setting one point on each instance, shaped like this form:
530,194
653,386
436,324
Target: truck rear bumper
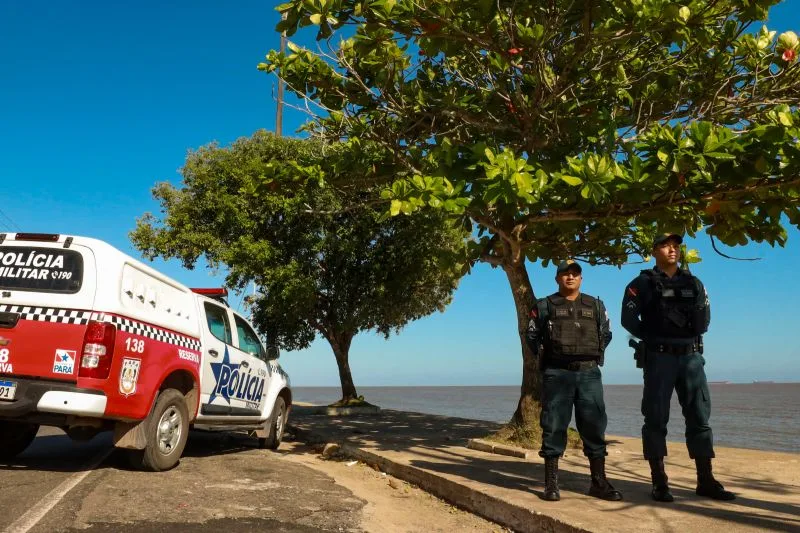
72,403
37,397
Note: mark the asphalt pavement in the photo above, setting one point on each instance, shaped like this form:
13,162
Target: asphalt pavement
223,481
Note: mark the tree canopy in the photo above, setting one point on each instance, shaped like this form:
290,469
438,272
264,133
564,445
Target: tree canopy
565,128
320,268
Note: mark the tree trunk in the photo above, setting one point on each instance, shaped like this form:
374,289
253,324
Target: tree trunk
341,349
528,409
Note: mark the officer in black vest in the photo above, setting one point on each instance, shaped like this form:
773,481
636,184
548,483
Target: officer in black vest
668,309
570,332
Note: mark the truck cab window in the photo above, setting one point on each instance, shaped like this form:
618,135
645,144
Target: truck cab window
248,340
218,325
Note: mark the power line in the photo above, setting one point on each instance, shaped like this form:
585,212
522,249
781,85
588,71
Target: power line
10,224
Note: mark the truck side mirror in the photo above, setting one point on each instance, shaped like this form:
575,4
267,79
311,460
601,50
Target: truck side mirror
272,352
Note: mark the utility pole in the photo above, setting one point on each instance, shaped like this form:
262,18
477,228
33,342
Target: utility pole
273,350
279,110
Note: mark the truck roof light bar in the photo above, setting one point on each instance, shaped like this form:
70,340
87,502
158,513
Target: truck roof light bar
212,292
219,294
42,237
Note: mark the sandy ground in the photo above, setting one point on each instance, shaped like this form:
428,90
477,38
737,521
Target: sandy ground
391,504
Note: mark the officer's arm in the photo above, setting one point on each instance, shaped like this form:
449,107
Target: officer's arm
632,308
533,334
604,324
702,299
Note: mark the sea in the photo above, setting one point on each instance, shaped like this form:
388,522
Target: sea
761,416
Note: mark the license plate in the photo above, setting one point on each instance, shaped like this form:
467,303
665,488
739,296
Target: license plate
7,390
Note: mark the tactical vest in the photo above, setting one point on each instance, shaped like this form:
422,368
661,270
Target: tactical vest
573,330
673,310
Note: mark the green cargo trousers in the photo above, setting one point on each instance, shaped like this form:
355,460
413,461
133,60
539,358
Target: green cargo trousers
664,372
561,390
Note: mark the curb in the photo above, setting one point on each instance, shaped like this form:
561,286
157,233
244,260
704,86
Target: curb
506,514
501,449
322,410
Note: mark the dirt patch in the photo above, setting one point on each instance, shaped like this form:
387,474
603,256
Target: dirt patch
391,504
352,402
529,438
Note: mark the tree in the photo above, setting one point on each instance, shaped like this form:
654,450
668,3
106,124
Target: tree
320,269
564,128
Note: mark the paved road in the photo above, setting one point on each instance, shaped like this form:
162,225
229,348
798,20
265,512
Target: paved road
223,482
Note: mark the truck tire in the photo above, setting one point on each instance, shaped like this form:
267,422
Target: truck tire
166,430
15,437
277,423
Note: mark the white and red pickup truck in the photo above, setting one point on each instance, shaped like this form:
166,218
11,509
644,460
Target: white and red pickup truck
92,339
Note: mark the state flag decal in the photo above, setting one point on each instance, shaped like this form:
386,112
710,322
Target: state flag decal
64,361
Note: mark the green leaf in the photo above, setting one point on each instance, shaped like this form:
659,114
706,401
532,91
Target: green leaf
571,180
316,18
692,256
720,155
394,210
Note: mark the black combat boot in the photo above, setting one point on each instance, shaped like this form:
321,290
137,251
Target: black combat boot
600,487
551,492
661,491
707,485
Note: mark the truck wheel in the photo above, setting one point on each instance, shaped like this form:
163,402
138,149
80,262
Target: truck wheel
276,425
166,430
15,437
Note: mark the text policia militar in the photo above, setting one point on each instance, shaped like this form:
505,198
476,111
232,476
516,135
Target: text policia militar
33,264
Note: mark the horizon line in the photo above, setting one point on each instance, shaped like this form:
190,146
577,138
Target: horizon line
756,382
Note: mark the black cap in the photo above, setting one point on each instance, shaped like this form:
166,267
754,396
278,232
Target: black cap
661,239
563,266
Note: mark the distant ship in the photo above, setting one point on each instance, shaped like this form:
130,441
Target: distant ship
762,382
719,382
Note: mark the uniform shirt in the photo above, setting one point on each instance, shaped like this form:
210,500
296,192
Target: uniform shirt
537,326
639,294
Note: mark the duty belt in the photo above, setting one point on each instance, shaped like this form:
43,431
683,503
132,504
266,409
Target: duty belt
674,349
574,365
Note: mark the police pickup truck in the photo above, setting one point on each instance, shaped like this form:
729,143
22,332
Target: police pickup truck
93,340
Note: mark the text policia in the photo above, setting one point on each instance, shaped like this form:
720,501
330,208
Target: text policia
32,264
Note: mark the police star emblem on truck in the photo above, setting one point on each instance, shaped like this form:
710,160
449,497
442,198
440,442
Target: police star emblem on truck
232,381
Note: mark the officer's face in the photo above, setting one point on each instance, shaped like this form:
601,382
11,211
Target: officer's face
569,280
668,252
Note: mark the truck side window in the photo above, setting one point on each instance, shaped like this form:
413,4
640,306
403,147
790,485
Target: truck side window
218,322
248,340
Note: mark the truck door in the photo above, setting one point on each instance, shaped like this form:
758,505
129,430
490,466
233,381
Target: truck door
253,351
223,366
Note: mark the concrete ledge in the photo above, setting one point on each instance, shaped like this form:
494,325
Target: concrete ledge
325,410
502,449
506,514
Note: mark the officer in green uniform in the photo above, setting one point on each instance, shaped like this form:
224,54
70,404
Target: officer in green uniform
668,309
570,331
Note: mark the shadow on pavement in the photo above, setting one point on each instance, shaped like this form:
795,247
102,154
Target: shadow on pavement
432,443
59,453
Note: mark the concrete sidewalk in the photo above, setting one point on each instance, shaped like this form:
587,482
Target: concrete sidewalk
430,451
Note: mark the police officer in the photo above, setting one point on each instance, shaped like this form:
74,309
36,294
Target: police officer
570,331
668,309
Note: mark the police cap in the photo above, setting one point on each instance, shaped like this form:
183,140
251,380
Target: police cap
563,266
664,237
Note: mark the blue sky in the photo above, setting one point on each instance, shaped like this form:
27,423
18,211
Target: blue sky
101,100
